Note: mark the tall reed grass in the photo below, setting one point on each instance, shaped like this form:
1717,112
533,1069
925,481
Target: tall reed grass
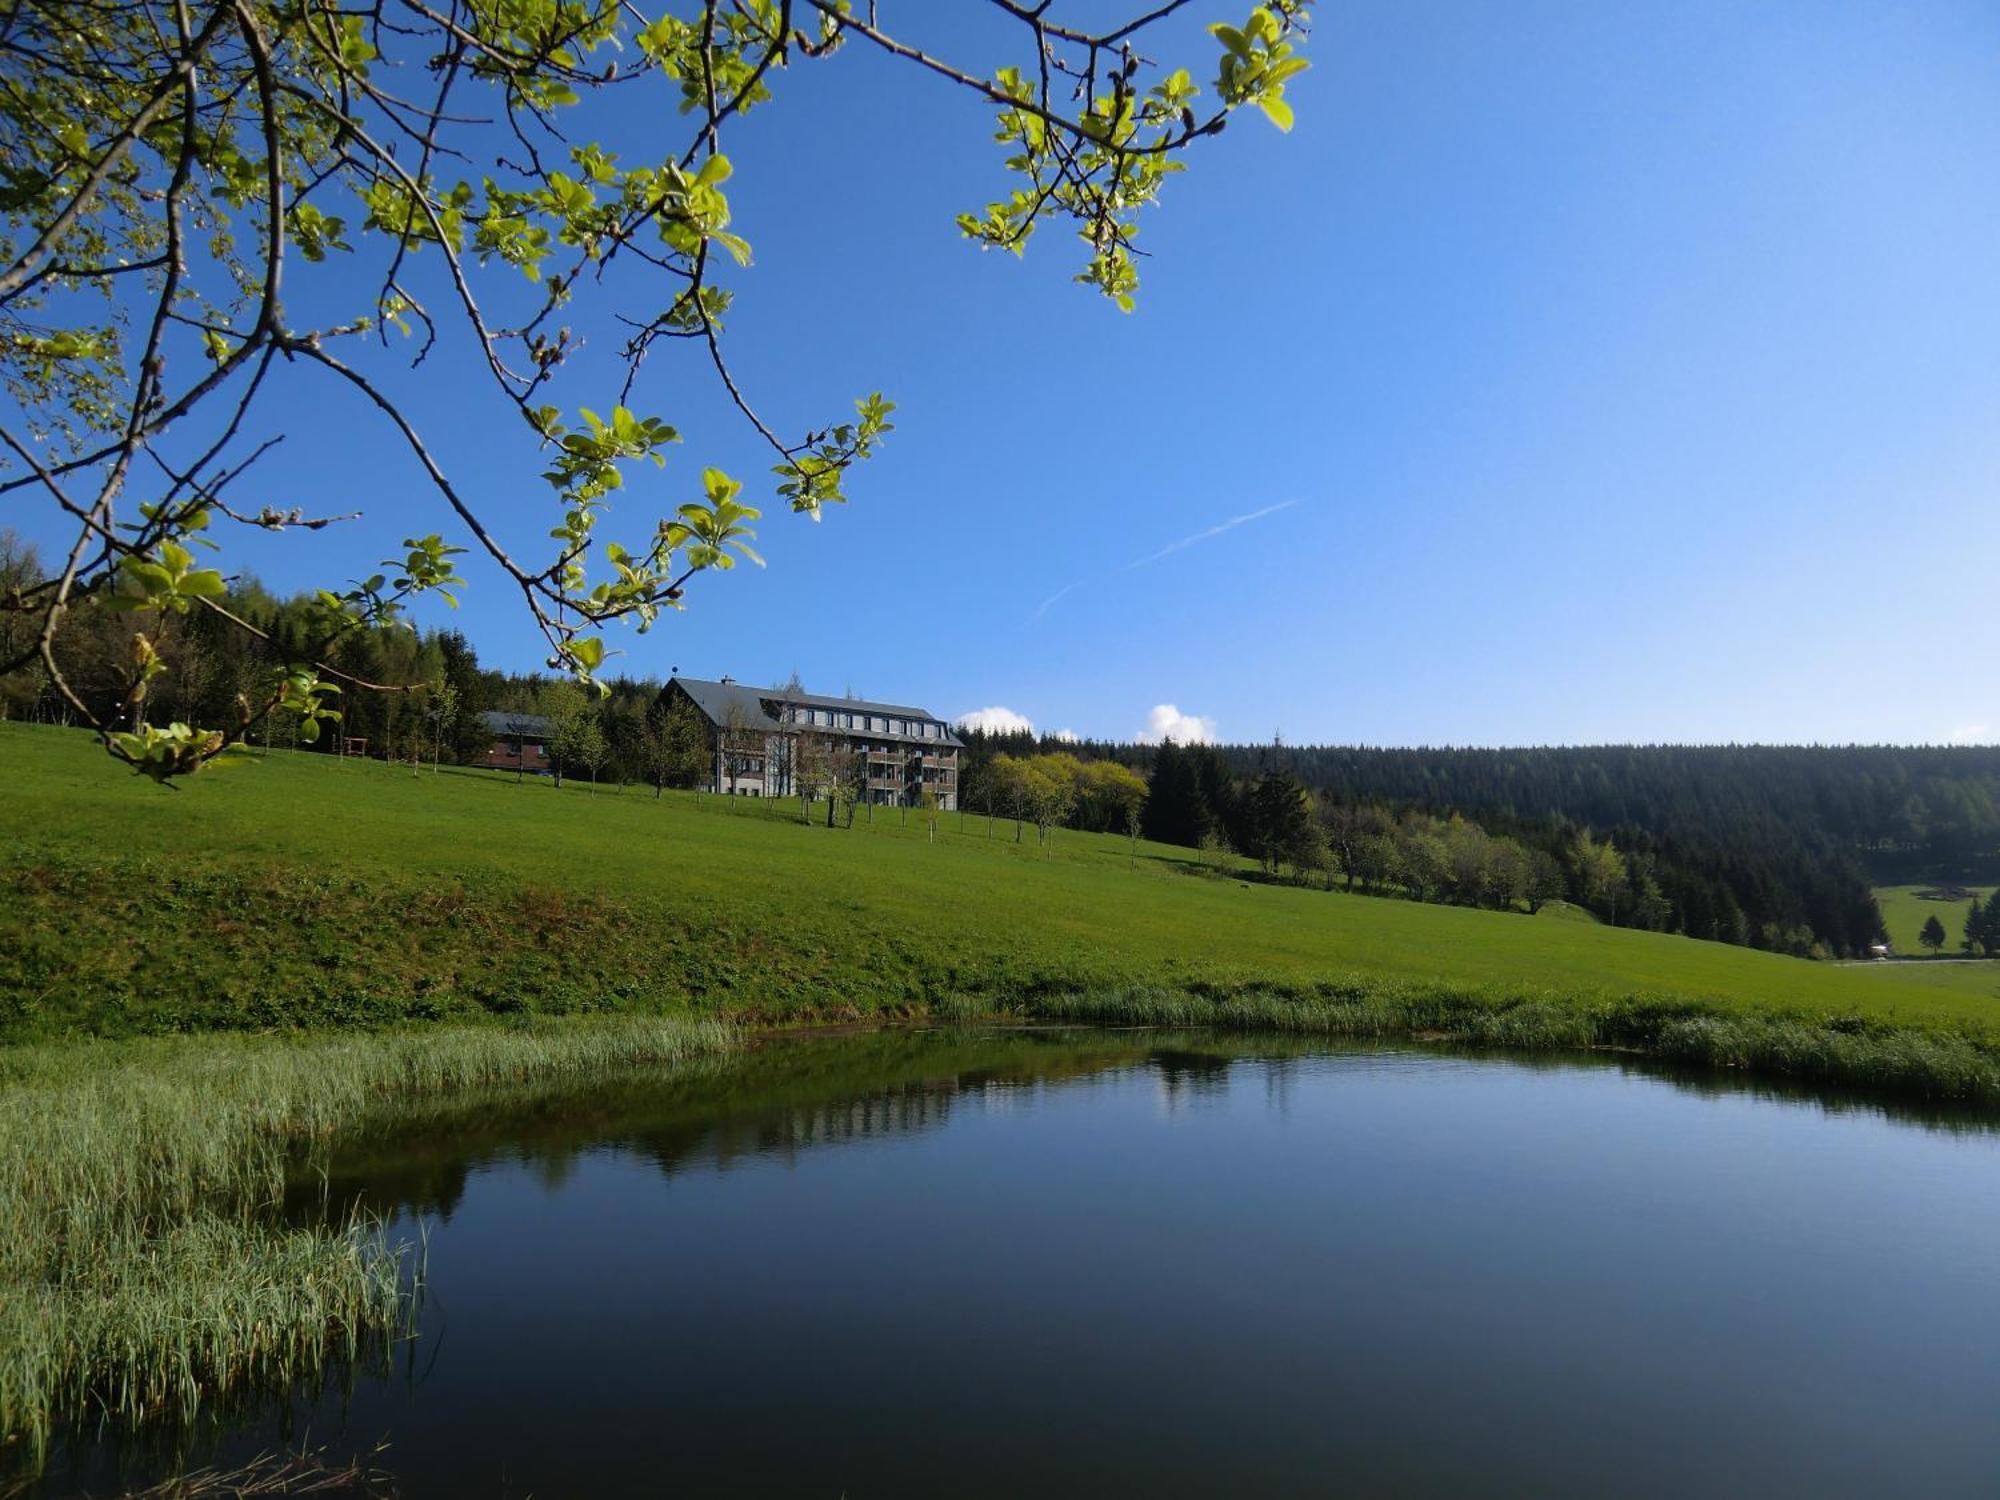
1929,1063
146,1272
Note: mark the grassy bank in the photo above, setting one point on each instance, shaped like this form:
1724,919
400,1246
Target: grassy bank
298,891
145,1269
1850,1053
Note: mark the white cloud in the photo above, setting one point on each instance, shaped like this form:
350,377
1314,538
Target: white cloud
1067,736
997,720
1971,734
1166,722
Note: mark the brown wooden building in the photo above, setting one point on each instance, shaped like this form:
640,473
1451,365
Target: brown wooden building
520,743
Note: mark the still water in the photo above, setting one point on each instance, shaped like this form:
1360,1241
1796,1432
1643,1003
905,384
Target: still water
1068,1263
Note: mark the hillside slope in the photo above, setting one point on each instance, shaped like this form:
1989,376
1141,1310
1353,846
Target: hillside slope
299,890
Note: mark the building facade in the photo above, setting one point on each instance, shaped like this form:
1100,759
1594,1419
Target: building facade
520,743
766,742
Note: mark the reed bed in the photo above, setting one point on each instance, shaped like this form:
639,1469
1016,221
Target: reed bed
146,1272
1928,1063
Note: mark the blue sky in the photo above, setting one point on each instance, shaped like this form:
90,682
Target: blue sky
1573,372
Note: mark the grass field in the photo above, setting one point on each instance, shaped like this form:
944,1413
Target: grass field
1904,911
299,890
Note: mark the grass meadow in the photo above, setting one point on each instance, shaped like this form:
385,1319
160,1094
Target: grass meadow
1904,911
301,891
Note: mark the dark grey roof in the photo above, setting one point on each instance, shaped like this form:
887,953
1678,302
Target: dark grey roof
520,726
715,699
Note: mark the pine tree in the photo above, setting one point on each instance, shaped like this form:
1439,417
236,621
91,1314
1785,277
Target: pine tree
1932,937
1174,812
1280,818
1982,927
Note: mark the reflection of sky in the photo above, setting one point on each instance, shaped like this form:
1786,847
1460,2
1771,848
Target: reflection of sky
1381,1272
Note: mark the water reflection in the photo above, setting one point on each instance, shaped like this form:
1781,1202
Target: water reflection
1051,1261
791,1095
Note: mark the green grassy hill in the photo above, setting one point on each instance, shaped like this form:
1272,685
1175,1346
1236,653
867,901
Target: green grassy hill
1904,911
300,890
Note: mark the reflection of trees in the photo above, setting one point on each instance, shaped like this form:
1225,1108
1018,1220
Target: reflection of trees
778,1100
1190,1078
908,1110
786,1098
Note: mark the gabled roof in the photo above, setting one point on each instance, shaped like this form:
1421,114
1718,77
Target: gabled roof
716,699
519,726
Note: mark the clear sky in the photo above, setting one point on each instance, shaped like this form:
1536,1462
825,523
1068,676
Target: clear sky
1573,372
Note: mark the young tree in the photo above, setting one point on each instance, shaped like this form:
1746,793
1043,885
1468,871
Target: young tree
1932,937
1049,792
811,769
592,747
674,746
572,728
441,712
846,779
653,759
1007,781
187,182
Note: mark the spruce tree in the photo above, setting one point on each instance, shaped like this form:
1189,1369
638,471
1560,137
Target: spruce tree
1173,813
1932,937
1982,927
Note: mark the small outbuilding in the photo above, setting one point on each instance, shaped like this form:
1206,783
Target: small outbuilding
520,743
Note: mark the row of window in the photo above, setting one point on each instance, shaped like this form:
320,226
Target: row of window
841,718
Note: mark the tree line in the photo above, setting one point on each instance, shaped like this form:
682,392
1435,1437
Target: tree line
1772,847
1766,846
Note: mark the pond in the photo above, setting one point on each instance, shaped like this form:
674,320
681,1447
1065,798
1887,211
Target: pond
1052,1263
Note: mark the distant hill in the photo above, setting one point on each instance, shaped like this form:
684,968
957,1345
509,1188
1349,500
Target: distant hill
1791,838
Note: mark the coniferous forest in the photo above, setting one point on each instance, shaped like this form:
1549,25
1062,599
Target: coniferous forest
1771,846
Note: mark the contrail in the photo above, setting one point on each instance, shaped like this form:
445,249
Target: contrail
1201,536
1043,608
1168,551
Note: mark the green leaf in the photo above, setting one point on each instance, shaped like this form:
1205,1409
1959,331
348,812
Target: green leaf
1277,111
205,584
